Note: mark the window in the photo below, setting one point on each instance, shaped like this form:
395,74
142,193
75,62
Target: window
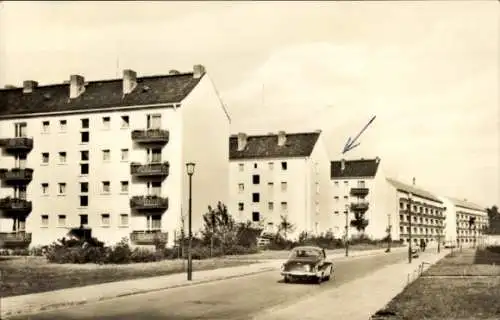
106,187
105,221
256,179
361,184
271,165
346,197
45,126
45,158
84,201
84,155
124,155
62,157
62,188
154,155
124,187
124,122
336,198
241,206
336,212
106,155
255,197
155,222
124,219
154,121
283,165
270,206
21,129
45,220
346,183
20,192
284,186
241,187
45,188
255,216
84,137
84,187
255,165
20,161
284,206
401,205
63,125
61,220
270,187
154,188
336,183
85,123
84,220
106,123
84,168
241,166
317,187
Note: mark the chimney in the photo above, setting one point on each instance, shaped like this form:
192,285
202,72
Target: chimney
242,141
172,72
413,180
198,71
9,86
377,160
129,81
281,138
29,86
76,86
342,165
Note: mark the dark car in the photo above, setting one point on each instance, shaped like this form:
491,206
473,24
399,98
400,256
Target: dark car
307,263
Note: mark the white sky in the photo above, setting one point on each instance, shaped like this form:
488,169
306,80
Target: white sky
429,71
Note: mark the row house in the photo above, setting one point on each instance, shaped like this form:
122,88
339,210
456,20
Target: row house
278,177
107,158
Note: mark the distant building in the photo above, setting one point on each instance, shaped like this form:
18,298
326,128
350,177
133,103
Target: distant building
284,174
107,158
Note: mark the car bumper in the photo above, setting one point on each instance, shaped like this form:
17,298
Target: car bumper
301,274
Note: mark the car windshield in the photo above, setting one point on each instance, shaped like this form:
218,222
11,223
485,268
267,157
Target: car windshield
305,253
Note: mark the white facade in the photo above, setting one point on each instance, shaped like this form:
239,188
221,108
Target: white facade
59,155
295,187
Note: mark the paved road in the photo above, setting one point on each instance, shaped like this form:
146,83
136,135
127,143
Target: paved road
235,299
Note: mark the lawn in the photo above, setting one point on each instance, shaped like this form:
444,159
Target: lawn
24,275
464,285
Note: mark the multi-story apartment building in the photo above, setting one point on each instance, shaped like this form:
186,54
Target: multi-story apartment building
107,158
284,174
427,213
359,189
465,222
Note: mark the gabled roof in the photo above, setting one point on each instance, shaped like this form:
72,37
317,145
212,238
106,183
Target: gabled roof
171,88
466,204
400,186
266,146
354,168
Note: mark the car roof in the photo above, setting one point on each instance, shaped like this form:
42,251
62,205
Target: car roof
307,248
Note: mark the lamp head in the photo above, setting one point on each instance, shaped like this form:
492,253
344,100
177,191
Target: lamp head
190,168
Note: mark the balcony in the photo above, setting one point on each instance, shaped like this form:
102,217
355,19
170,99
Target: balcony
149,203
17,144
359,192
15,205
359,206
16,175
158,136
148,237
14,239
150,169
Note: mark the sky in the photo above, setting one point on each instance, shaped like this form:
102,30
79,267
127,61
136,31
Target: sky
428,71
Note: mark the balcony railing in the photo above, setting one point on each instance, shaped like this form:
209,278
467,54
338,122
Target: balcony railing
150,169
16,175
151,136
14,239
359,206
148,237
15,205
148,203
359,192
17,144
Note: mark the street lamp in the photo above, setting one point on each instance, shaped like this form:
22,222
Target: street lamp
346,230
190,172
409,224
389,238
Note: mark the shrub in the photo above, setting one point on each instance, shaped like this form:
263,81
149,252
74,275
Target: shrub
495,249
145,255
120,253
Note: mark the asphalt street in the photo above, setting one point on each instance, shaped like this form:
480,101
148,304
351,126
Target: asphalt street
235,299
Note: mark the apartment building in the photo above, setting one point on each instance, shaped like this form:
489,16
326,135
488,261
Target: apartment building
107,158
418,209
359,190
465,222
275,175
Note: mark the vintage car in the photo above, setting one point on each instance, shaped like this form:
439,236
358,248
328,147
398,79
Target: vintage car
307,263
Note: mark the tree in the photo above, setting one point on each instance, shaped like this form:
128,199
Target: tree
285,226
359,222
493,220
219,226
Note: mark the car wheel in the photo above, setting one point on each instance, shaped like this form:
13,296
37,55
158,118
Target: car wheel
329,274
286,279
319,279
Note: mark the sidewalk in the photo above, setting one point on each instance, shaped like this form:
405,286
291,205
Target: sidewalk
359,299
33,303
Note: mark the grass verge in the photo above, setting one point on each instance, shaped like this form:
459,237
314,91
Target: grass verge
25,275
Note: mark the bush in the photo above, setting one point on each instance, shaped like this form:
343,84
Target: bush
145,255
494,249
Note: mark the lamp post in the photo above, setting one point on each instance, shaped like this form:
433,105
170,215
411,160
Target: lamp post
409,224
389,227
346,230
190,171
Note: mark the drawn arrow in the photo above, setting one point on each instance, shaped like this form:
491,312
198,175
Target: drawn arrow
350,144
